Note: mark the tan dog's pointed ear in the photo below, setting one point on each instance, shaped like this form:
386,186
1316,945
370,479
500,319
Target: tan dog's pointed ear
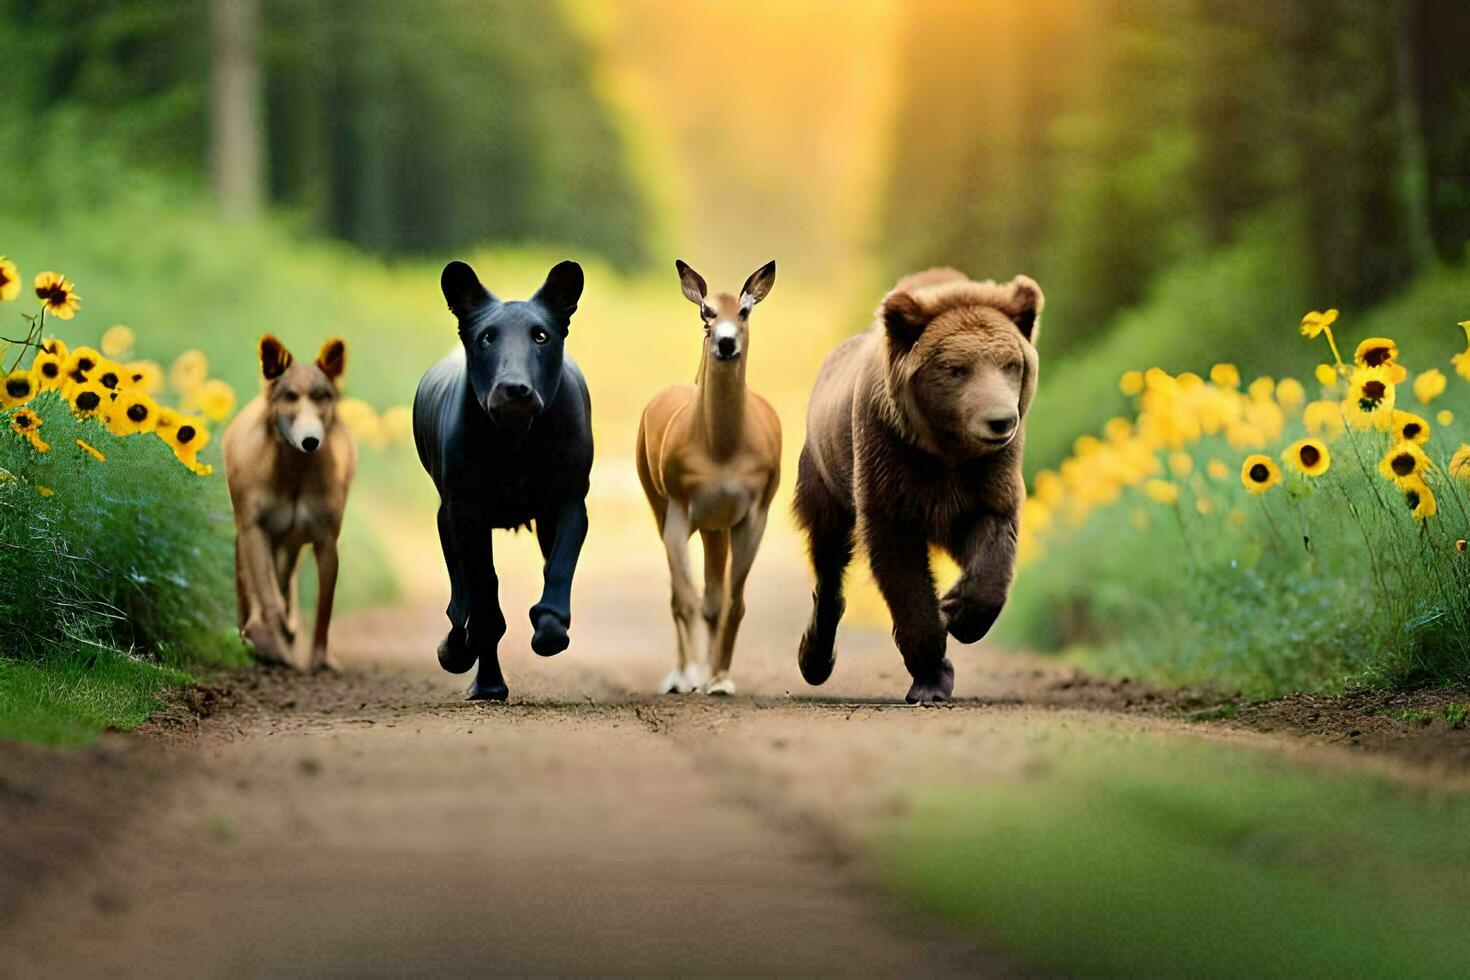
332,358
1024,306
903,317
274,357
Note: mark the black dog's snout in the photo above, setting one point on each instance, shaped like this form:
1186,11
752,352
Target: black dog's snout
514,391
310,443
725,347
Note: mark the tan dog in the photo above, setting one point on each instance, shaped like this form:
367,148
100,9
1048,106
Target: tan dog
289,462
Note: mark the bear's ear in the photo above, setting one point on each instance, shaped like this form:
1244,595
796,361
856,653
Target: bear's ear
462,289
560,292
1024,306
274,357
903,318
332,358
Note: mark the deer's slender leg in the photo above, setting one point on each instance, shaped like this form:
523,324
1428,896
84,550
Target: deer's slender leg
716,568
745,541
685,598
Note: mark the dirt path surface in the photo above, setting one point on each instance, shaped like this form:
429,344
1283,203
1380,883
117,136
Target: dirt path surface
376,824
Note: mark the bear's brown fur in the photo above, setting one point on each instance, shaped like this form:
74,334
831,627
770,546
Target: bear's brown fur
914,438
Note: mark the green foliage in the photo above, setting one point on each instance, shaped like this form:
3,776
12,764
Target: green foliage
76,692
1167,856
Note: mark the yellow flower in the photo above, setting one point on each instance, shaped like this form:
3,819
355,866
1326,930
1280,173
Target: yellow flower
1204,505
1290,393
27,424
1115,429
1131,383
1420,500
1225,376
1181,464
17,388
1408,427
1262,388
91,451
1376,351
48,371
1445,417
1403,463
88,399
1308,457
1429,385
184,434
1323,419
57,295
188,371
117,341
132,412
1162,491
1314,323
9,280
82,363
109,375
214,399
362,421
1217,469
45,491
1461,361
1259,473
58,347
1326,375
144,376
1370,397
1460,463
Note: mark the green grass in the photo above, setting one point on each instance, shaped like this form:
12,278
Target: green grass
1156,855
74,694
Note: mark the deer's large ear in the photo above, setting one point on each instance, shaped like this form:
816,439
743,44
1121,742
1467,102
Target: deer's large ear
560,292
692,283
332,358
462,289
903,317
758,286
274,357
1024,306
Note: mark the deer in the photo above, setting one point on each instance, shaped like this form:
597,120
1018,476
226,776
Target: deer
709,459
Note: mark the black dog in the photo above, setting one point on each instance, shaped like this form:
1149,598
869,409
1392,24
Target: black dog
504,426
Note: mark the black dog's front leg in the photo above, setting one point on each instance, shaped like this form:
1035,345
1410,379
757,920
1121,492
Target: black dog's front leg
560,537
474,597
985,549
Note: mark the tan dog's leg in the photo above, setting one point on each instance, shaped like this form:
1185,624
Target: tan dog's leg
287,565
326,576
685,598
264,625
745,541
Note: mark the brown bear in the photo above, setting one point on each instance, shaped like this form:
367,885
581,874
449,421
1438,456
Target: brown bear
914,438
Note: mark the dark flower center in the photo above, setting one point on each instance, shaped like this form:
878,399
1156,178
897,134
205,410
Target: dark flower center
1259,473
25,420
17,387
53,295
109,380
186,434
50,369
1310,456
138,413
1373,392
1376,356
1403,464
1411,430
88,401
1412,499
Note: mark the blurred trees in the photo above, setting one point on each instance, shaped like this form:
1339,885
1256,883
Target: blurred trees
1098,143
417,127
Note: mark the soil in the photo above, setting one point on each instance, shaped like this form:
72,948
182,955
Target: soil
373,822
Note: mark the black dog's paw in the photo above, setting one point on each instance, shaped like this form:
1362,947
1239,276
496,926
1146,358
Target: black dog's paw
932,686
482,690
968,618
550,637
455,654
816,657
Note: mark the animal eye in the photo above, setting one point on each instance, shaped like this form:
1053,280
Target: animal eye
293,396
485,339
958,370
540,336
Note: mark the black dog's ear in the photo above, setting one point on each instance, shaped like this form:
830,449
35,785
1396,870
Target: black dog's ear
903,317
561,291
462,289
758,286
692,283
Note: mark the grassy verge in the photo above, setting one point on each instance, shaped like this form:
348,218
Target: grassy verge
1155,855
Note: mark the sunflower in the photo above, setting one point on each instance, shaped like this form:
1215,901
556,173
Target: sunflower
9,280
27,424
1429,385
91,451
188,371
1308,457
1162,492
17,388
57,295
1290,393
1420,500
1460,463
144,376
1375,352
184,434
1326,375
1445,417
1225,376
1408,427
1370,397
1323,419
109,375
1315,322
117,341
1259,473
1131,383
88,400
82,363
132,412
48,370
214,399
1404,463
58,347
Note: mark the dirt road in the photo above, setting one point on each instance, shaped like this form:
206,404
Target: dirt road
375,823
